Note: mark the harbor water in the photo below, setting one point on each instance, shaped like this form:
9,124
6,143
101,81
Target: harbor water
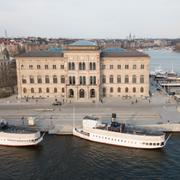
165,59
68,157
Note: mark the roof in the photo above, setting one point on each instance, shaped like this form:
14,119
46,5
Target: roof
83,43
42,54
120,52
55,49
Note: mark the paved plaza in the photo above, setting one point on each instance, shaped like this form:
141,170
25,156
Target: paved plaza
159,108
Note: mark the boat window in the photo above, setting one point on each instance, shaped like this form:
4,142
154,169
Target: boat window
158,144
154,144
162,143
146,143
150,144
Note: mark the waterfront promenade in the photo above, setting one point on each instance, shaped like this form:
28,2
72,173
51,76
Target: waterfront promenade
59,119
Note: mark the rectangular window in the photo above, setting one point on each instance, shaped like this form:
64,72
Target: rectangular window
142,79
46,66
30,66
24,81
103,66
104,79
126,66
38,67
62,79
119,66
54,66
111,79
31,80
62,66
134,66
111,66
142,66
126,80
119,79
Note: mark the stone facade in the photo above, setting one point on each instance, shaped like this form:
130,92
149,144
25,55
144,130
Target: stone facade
82,72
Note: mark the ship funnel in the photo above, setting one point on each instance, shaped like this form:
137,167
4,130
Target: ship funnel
113,117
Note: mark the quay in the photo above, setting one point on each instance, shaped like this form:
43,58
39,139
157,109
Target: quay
161,112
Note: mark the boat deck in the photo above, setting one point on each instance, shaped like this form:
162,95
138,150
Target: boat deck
124,128
17,129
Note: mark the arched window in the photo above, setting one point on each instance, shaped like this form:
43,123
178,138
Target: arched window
126,80
71,93
55,79
126,89
141,89
81,93
32,90
142,79
92,93
40,90
39,79
134,79
47,90
24,90
111,90
134,89
55,90
111,79
119,90
47,79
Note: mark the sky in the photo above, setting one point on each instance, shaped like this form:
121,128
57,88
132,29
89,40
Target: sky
90,18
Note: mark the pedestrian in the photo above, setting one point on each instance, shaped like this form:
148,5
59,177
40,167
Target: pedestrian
136,101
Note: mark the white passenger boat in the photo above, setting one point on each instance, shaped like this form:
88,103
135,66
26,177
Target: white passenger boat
18,136
120,134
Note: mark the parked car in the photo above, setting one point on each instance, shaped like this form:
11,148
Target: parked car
57,103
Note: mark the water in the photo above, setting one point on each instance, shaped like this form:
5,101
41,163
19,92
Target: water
68,157
165,59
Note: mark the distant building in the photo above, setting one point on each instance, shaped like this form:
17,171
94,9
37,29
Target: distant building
83,72
7,72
